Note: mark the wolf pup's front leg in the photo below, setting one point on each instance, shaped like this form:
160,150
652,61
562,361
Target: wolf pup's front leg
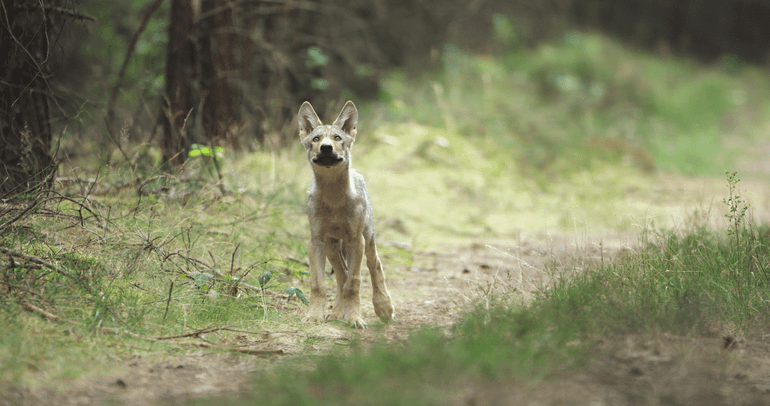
317,260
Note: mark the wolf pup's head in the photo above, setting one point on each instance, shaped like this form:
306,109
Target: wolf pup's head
328,145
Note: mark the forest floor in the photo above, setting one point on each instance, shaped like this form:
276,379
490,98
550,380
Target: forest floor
435,290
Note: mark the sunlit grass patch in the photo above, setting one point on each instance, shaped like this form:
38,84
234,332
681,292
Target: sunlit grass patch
430,186
558,107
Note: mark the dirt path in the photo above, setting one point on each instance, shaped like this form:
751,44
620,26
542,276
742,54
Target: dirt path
434,289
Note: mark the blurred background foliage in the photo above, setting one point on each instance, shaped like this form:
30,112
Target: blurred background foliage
92,53
559,84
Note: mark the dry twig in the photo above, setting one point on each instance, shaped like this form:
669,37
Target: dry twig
34,259
199,344
32,308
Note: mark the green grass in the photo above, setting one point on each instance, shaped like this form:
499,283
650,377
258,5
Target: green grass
696,281
166,258
561,107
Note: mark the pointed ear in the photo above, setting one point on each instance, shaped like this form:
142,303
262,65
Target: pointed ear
307,120
348,119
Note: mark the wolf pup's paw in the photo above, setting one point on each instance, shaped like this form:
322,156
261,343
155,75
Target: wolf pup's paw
386,314
314,316
383,308
355,320
336,313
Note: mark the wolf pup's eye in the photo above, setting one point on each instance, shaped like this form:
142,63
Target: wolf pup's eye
337,138
316,139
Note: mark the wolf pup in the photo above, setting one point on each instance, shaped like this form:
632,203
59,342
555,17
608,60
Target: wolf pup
341,220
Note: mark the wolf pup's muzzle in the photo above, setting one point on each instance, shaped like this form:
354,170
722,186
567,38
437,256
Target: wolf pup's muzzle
327,157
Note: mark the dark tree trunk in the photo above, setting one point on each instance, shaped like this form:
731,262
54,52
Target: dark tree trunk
181,69
218,70
25,132
250,114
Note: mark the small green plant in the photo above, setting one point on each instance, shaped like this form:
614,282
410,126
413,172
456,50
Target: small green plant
207,153
203,151
737,207
297,292
264,279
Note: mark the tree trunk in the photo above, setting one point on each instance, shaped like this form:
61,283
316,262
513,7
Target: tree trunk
25,132
218,69
181,71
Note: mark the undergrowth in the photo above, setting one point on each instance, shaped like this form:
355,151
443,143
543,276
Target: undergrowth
143,258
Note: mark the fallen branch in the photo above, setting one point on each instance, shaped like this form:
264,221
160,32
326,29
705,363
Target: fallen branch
203,344
195,333
32,308
262,333
12,286
21,214
199,344
35,259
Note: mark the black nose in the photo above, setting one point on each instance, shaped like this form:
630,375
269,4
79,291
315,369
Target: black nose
326,149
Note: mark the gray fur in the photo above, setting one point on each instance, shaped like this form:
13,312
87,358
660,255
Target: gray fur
341,220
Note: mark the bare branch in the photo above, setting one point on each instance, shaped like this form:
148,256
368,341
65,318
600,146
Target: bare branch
34,259
32,308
